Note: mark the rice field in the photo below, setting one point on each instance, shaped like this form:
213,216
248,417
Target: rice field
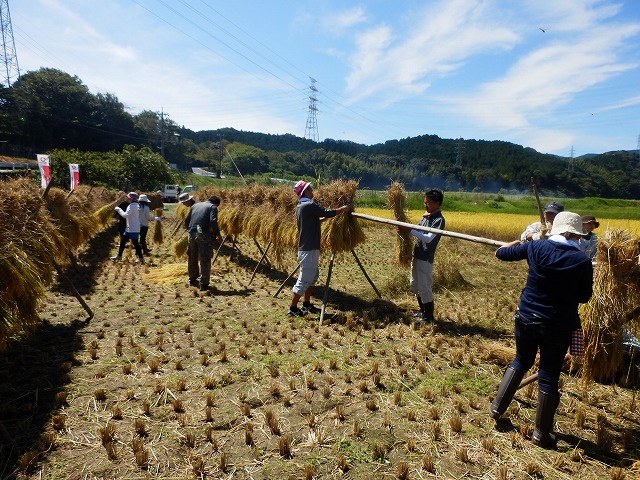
168,382
499,226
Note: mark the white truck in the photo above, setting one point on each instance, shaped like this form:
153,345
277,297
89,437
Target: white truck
170,193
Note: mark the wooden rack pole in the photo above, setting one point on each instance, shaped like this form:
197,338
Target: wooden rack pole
365,273
285,282
446,233
326,290
264,254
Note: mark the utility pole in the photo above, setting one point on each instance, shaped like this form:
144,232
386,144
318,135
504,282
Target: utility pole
311,129
162,133
9,55
221,145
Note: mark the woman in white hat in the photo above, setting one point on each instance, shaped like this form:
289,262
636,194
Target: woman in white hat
560,277
145,216
132,232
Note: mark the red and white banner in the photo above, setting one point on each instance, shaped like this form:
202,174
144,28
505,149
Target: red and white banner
74,170
45,170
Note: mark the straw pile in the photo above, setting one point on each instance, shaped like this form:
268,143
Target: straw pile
157,228
616,292
404,242
33,233
268,214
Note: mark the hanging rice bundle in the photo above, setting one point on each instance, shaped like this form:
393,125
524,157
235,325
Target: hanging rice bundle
404,242
157,228
155,201
104,215
182,211
344,233
616,292
180,247
75,229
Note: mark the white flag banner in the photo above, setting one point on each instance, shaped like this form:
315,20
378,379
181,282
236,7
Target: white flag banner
45,170
74,170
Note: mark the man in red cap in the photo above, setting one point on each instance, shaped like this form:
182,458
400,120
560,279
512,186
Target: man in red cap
308,217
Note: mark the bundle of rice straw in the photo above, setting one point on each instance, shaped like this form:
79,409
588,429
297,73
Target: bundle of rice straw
180,247
268,214
76,229
404,241
616,292
157,228
105,215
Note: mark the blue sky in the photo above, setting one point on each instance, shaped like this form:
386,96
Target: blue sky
559,76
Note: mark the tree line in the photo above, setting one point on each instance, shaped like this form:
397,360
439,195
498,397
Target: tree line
51,111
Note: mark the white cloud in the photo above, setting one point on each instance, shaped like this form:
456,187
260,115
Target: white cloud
340,22
439,40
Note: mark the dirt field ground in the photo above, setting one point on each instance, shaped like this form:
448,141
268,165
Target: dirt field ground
168,382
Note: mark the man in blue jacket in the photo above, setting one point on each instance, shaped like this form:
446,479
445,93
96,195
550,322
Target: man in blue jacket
560,277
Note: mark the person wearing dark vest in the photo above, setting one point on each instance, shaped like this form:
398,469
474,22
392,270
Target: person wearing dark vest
202,227
421,279
308,217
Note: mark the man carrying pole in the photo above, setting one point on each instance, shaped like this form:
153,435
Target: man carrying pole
421,279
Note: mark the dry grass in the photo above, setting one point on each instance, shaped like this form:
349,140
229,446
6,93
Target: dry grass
260,395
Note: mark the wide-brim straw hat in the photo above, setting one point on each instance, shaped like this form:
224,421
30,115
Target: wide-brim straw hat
567,222
590,219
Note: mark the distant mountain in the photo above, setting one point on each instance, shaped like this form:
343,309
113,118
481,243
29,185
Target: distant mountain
452,164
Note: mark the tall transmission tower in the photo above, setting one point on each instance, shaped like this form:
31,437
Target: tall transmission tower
9,56
311,130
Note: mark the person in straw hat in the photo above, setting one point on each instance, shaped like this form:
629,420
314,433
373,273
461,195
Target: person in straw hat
589,243
560,277
308,217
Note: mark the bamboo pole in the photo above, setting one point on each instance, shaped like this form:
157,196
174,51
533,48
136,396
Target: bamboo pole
326,290
534,377
365,273
73,289
446,233
264,254
288,278
219,248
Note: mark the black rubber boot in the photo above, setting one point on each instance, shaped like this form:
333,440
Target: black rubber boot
507,389
427,312
543,434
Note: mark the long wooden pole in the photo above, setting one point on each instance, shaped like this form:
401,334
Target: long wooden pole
365,273
264,254
446,233
534,377
326,290
285,282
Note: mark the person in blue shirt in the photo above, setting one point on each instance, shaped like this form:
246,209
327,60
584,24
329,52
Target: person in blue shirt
560,277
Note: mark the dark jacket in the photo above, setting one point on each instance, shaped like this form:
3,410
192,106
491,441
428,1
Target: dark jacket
204,214
560,277
308,215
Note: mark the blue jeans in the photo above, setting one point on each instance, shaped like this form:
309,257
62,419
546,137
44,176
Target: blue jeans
552,341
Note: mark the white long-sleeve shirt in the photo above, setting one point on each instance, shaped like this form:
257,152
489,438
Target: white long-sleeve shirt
132,216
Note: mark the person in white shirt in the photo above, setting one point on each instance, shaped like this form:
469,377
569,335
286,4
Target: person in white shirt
132,231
